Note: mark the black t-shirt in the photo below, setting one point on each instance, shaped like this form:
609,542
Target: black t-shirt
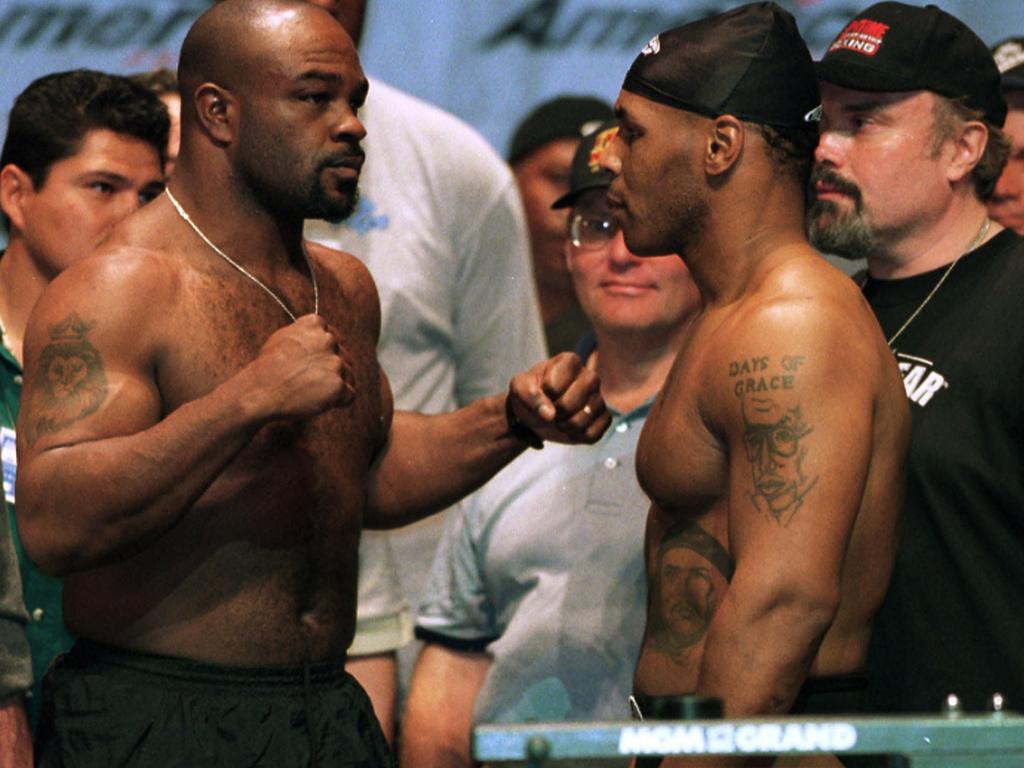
953,621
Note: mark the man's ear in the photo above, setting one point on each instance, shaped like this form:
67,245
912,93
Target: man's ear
217,112
724,144
16,188
968,146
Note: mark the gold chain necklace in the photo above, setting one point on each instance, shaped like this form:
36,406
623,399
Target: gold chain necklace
974,244
188,220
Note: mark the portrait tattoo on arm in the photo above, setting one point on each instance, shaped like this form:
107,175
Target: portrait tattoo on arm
71,383
772,434
693,569
771,439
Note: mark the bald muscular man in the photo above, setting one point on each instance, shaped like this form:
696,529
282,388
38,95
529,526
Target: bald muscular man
774,454
205,428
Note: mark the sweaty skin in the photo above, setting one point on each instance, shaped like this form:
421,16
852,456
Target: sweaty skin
260,569
774,453
195,464
736,463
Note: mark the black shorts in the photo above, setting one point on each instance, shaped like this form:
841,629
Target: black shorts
104,707
838,695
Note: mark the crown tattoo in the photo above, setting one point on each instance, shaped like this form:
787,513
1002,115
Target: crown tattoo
70,328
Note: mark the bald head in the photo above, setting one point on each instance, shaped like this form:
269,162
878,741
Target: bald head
235,40
270,96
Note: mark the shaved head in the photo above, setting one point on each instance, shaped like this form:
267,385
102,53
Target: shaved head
234,40
270,95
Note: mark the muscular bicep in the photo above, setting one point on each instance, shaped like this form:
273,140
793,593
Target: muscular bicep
797,388
88,375
799,430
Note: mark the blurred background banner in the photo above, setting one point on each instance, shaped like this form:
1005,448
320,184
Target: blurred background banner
488,61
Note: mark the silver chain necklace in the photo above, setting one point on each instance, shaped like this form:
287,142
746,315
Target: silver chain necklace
188,220
974,244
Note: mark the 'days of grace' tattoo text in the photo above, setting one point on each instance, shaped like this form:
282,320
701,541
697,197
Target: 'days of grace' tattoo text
72,382
752,375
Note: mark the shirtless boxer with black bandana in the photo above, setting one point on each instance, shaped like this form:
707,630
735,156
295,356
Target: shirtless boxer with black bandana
774,454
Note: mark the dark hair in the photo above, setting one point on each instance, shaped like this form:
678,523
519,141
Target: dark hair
791,148
161,81
950,115
50,118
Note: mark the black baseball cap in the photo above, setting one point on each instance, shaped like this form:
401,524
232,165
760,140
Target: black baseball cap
895,47
564,117
586,172
1009,57
750,63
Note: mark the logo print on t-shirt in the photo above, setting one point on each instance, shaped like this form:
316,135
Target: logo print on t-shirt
364,218
920,381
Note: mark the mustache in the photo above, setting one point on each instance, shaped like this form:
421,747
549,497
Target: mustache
833,179
344,157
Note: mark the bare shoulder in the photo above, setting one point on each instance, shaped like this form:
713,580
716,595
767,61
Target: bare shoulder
342,266
351,279
804,332
823,290
120,293
809,301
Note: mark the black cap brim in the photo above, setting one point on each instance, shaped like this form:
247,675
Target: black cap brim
849,74
569,198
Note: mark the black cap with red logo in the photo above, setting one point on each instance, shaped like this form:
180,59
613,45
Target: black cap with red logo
750,63
587,172
894,47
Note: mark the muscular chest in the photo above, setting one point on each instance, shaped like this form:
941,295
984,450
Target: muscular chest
681,465
220,326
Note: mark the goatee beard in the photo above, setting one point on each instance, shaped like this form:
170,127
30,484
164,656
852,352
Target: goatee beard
332,211
833,230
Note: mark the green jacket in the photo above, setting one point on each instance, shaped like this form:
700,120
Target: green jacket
41,595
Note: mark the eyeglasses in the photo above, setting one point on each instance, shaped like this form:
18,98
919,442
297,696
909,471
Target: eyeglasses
589,231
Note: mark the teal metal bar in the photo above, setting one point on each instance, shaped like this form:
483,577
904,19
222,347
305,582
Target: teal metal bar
951,741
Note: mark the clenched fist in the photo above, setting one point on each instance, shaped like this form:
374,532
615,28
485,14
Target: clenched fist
303,369
560,400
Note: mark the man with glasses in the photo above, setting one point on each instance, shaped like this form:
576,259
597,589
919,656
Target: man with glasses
540,155
535,606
